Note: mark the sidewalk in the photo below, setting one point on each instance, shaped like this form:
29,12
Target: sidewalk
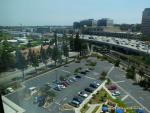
92,107
9,76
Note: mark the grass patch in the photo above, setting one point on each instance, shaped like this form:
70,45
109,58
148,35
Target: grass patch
84,108
95,109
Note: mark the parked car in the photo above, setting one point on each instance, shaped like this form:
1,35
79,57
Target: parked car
57,88
78,76
82,94
32,90
56,82
41,102
116,93
93,85
78,99
64,83
10,90
77,61
37,99
83,72
66,66
91,68
89,90
112,87
70,81
87,70
75,103
73,79
96,83
48,85
61,86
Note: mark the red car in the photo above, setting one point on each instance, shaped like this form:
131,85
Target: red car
112,87
65,84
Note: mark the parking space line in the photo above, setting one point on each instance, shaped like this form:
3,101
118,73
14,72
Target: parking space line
66,71
126,96
90,77
119,81
57,103
110,70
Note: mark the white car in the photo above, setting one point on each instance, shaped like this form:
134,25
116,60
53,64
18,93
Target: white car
96,83
10,90
116,93
32,90
82,94
61,86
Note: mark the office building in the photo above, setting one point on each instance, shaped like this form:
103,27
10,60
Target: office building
76,25
105,22
88,23
146,22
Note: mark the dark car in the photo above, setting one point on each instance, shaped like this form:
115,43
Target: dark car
75,103
77,61
112,87
83,72
78,99
93,85
87,70
78,76
89,90
41,101
57,88
56,82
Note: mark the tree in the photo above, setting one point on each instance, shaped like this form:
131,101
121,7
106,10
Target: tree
7,59
20,62
44,56
77,42
117,62
56,54
141,73
49,51
71,43
35,60
66,51
131,72
29,57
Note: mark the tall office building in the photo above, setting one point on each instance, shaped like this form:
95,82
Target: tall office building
88,23
146,22
105,22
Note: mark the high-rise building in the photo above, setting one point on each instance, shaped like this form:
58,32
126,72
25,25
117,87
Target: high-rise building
88,23
146,22
105,22
76,25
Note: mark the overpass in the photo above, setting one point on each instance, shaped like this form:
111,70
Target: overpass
132,45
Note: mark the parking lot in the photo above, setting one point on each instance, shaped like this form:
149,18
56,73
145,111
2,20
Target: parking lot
65,95
133,95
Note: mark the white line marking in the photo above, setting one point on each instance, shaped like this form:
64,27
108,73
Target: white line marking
90,77
110,70
119,81
57,103
66,71
124,97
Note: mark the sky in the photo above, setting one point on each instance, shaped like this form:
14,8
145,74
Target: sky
65,12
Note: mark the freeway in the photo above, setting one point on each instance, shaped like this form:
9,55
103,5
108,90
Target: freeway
136,45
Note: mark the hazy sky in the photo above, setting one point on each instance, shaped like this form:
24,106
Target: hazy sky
65,12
